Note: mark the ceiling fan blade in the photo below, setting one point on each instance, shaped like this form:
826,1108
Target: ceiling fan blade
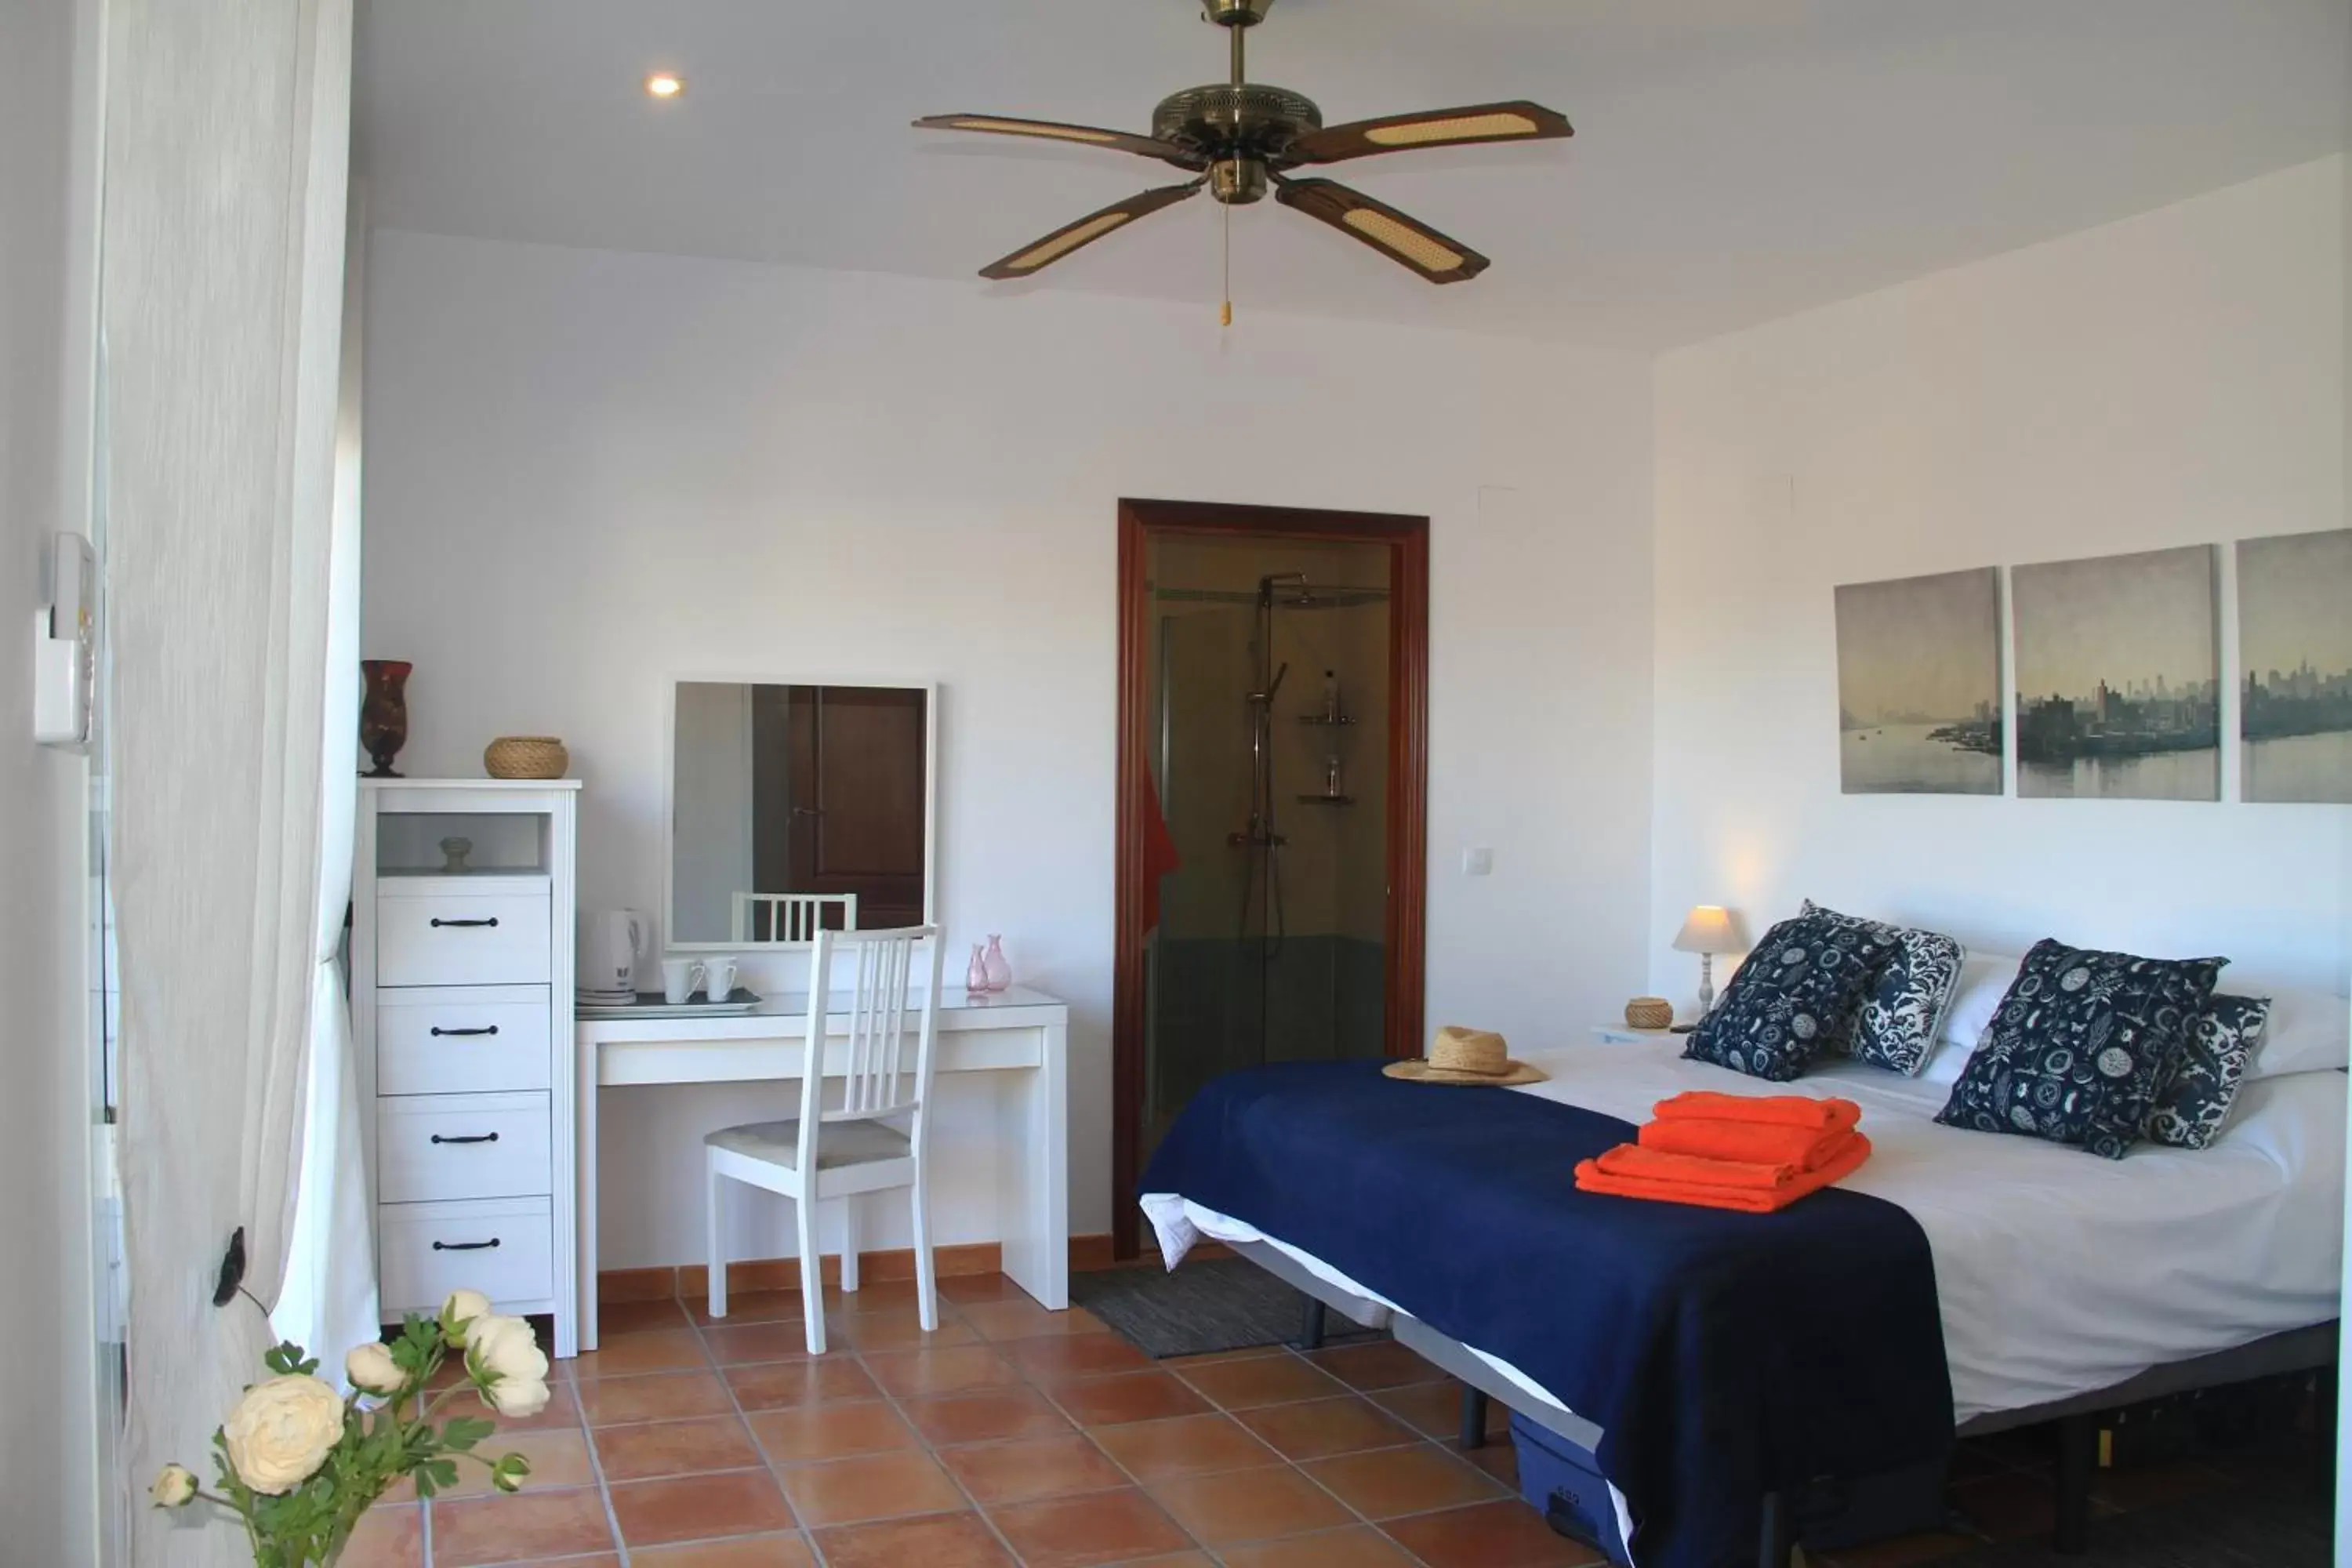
1402,239
1052,130
1033,258
1520,122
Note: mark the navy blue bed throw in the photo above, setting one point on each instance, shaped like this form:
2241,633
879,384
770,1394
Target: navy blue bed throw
1723,1355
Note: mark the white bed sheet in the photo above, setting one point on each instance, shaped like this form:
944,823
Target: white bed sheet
2058,1273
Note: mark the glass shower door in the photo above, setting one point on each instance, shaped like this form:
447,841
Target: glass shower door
1204,1004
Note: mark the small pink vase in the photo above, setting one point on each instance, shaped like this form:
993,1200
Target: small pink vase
998,971
975,976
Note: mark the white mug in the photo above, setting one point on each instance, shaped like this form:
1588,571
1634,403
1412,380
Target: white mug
719,978
678,975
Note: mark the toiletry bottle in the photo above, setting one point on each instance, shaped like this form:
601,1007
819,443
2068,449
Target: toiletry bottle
1331,696
1331,790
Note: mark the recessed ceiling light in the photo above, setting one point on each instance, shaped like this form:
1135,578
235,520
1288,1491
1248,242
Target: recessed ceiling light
662,84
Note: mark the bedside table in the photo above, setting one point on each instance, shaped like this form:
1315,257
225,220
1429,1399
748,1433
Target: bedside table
1626,1034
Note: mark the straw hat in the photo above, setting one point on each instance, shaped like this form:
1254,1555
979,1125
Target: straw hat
1466,1055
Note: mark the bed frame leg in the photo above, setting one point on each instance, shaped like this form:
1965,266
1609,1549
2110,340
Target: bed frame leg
1777,1546
2078,1461
1474,1417
1310,1322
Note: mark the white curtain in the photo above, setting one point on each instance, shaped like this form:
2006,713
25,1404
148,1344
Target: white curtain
329,1300
226,160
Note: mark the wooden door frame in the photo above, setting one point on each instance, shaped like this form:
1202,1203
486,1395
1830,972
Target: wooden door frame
1404,959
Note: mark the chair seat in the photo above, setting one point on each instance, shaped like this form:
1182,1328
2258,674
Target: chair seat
838,1143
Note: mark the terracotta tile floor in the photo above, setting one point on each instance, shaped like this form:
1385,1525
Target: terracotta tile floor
1022,1438
1014,1438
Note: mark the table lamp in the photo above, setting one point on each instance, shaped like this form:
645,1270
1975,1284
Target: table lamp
1709,929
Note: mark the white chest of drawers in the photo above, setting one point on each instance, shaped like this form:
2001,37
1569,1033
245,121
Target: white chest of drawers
461,1003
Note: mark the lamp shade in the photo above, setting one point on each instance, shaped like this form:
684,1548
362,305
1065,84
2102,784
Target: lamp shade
1711,928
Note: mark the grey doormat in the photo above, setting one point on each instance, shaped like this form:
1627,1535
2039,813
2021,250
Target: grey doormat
1209,1304
2238,1527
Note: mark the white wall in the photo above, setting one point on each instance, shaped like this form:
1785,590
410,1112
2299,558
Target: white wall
588,472
47,1381
2177,378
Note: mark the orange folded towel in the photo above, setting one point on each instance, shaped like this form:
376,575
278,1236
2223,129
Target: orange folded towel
1638,1163
1771,1110
1591,1178
1750,1142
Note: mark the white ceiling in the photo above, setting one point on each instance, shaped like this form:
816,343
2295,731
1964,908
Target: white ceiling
1735,160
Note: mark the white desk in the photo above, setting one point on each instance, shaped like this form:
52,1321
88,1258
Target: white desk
1017,1031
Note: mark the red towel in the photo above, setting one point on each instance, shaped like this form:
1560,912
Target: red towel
1642,1163
1160,857
1771,1110
1591,1178
1751,1143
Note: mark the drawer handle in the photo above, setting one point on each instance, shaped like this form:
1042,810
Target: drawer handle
462,1034
464,924
464,1246
475,1137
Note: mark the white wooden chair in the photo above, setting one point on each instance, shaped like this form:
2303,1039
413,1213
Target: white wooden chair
788,917
821,1155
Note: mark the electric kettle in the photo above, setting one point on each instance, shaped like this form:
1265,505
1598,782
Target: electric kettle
611,942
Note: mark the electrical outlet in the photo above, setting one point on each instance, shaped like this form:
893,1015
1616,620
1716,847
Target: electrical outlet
65,646
1477,862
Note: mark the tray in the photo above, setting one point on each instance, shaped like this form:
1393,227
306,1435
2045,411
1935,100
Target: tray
649,1004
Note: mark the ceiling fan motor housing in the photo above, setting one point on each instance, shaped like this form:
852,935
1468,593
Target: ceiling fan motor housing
1221,120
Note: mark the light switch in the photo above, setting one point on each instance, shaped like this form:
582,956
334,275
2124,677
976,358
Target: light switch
1477,862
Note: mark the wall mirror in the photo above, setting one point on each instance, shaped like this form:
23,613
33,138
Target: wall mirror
795,808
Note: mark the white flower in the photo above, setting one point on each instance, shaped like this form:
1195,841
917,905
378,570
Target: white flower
174,1487
518,1399
280,1433
504,1356
462,1308
371,1369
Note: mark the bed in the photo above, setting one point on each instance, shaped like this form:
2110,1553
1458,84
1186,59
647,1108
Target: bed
2066,1284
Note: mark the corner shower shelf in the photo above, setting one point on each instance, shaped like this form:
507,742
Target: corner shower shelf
1327,800
1320,719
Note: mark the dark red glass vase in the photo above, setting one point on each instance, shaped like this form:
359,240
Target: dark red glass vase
384,713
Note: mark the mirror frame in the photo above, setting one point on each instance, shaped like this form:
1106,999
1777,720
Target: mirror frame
931,690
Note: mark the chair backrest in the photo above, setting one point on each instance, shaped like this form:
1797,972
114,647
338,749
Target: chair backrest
884,1077
788,917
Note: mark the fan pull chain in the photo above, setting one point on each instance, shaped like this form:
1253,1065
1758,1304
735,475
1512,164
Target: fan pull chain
1226,318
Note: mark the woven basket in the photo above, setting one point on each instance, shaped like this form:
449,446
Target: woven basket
526,757
1649,1012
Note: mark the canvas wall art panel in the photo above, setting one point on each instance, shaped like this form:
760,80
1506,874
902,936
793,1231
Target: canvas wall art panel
2118,676
2294,666
1919,685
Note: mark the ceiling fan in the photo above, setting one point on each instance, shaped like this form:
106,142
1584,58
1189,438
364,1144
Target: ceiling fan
1241,138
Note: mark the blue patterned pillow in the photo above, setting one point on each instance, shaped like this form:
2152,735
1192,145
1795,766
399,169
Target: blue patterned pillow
2193,1103
1902,1016
1797,992
2079,1045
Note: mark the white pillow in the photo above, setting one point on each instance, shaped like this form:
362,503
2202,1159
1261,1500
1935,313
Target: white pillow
2309,1031
1946,1064
1985,979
